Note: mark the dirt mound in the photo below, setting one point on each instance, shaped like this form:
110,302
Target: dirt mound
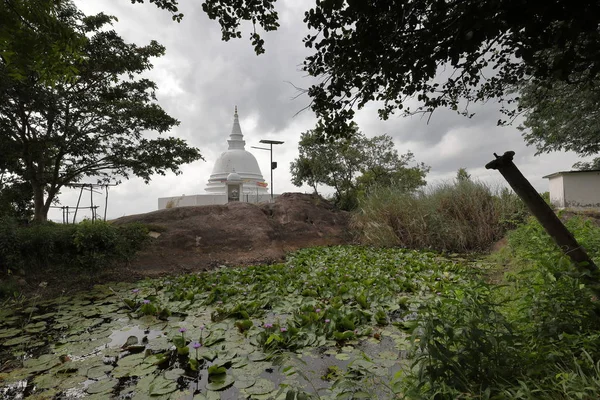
199,237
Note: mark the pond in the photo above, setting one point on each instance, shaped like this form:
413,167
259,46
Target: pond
328,322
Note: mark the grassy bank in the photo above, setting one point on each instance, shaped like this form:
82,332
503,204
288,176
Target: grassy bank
462,216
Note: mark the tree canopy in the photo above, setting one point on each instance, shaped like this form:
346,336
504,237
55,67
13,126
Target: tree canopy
41,37
562,116
92,124
353,164
439,52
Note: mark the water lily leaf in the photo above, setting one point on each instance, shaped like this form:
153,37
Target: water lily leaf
131,341
244,382
257,356
342,356
174,374
103,386
208,396
219,385
161,385
216,370
99,371
261,386
131,361
142,370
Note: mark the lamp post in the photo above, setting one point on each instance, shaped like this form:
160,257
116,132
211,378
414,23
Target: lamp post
270,149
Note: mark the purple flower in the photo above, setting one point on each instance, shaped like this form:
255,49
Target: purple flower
318,310
196,345
146,301
182,330
283,330
327,321
201,327
135,291
268,325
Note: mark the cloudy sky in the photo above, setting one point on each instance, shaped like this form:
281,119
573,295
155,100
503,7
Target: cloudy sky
201,79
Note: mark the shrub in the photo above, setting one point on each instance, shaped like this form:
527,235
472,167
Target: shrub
458,217
87,245
538,337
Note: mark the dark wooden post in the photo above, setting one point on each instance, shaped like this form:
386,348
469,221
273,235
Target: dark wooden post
547,218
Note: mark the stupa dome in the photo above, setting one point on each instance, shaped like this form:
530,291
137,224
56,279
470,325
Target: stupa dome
239,161
234,176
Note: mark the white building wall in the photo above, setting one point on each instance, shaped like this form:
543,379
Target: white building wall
209,199
557,192
582,190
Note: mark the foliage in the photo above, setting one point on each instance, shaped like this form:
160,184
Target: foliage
461,216
462,175
15,200
534,337
463,344
92,124
353,165
220,322
38,40
87,245
562,116
366,52
592,165
438,52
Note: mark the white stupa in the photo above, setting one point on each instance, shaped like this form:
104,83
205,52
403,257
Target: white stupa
236,160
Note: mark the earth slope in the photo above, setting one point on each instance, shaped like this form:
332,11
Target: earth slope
200,237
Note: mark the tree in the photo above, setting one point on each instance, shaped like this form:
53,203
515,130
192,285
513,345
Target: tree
331,163
36,36
562,116
90,125
462,175
443,53
353,164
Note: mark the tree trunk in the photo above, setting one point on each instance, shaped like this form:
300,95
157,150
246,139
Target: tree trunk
40,211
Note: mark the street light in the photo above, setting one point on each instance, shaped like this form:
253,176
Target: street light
273,164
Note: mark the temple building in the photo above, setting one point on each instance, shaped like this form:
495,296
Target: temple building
235,176
237,159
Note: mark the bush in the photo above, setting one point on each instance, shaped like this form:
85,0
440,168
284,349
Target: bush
87,245
459,217
537,338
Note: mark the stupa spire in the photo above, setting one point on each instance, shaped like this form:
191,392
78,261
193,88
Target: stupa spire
236,139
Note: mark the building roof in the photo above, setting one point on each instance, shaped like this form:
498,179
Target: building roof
570,172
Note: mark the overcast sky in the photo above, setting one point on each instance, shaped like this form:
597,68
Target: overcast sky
202,78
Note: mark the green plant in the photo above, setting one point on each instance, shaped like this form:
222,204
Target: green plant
463,344
461,216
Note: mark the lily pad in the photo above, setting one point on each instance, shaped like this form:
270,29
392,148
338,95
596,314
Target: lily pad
99,371
103,386
161,385
219,385
244,382
261,386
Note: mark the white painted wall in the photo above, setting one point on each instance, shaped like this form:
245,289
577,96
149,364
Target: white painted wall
582,190
209,199
557,192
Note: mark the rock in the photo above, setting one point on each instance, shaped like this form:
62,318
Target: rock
199,237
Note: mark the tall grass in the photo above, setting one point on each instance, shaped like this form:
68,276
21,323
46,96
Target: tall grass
460,217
